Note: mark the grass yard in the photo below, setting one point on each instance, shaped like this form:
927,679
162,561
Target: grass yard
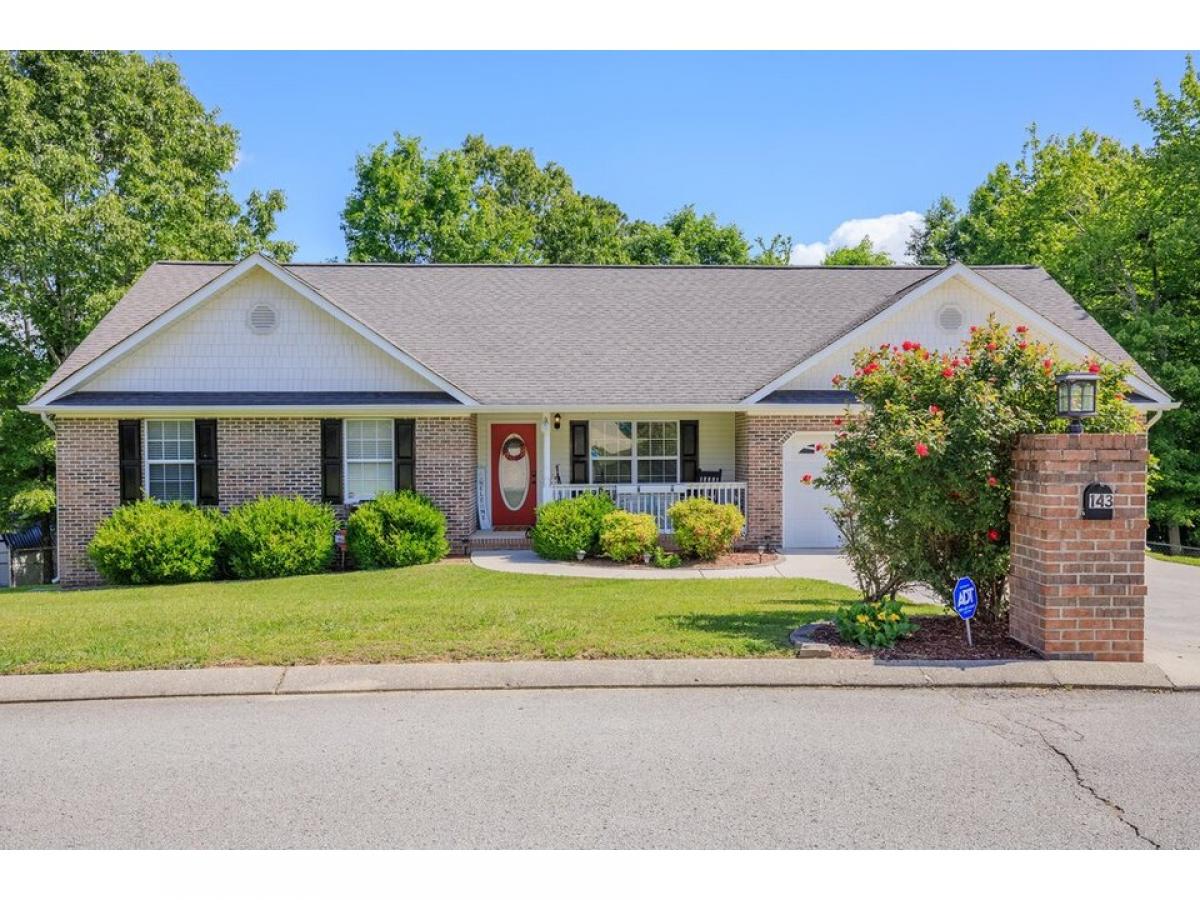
1182,560
451,611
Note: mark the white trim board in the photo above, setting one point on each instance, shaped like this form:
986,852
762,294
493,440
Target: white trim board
213,287
979,283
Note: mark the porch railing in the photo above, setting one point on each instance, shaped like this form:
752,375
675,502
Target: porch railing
656,499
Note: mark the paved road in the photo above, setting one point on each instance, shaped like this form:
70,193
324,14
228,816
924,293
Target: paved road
607,768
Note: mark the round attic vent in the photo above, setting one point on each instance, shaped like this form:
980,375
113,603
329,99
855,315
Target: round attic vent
262,319
950,318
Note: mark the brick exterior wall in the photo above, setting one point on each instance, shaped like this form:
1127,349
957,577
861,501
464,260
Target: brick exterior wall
445,471
1077,586
256,456
89,488
758,461
264,456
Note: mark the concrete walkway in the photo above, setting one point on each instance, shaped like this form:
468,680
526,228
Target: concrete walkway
617,673
820,564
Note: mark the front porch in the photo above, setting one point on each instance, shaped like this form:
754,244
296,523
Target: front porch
656,499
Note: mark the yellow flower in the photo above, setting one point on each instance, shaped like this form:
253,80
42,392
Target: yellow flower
861,618
893,618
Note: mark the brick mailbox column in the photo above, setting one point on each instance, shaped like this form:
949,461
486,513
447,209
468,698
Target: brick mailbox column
1077,585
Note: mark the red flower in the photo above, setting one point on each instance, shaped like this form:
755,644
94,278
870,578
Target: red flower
991,346
935,410
1022,345
922,450
837,379
974,328
884,346
947,372
907,345
818,447
806,478
992,481
993,535
1094,368
1047,364
916,345
1021,329
837,420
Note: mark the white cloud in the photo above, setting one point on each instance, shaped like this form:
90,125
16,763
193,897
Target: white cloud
889,232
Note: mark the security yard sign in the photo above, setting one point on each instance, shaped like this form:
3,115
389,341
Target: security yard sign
966,601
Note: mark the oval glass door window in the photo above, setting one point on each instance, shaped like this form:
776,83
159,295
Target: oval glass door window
512,467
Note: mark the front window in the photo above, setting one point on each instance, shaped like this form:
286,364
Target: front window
626,452
171,459
370,458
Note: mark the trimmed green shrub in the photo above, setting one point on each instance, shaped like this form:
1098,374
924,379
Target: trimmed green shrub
272,537
705,529
626,536
873,624
565,526
156,543
401,528
661,559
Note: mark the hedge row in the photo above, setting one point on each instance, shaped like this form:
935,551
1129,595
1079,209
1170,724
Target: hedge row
271,537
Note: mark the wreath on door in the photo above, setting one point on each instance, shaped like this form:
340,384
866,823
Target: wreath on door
514,449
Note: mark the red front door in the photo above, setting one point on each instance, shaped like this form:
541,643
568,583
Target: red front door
514,475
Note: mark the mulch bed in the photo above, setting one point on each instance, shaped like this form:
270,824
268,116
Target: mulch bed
937,637
728,561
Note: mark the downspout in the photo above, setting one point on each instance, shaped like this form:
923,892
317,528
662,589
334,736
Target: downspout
1154,418
49,420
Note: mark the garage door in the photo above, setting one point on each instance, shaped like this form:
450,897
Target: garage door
806,524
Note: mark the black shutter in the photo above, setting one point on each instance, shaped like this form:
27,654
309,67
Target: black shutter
206,462
406,443
579,452
689,450
129,433
331,460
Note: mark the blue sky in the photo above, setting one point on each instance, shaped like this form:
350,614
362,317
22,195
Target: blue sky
797,143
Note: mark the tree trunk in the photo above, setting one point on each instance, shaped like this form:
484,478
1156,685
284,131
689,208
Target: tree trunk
1174,539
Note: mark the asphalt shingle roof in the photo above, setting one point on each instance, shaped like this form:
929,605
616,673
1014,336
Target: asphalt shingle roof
600,334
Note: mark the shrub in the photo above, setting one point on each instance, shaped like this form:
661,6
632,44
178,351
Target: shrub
273,537
565,526
929,462
626,536
401,528
873,624
705,529
156,543
661,559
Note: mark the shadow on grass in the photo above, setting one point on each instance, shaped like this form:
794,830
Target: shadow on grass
769,627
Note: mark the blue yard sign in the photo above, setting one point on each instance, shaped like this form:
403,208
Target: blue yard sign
966,601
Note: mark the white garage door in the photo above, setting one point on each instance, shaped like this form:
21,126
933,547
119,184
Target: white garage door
806,524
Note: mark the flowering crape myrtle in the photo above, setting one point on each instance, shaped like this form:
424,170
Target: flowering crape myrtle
927,467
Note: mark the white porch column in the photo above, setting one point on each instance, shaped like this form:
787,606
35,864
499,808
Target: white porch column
546,466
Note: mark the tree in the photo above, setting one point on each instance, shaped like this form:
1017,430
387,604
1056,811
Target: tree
1119,228
926,470
486,203
107,163
861,254
934,243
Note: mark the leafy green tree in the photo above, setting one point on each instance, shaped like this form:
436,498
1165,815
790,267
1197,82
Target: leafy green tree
935,241
107,163
485,203
926,470
861,254
1119,227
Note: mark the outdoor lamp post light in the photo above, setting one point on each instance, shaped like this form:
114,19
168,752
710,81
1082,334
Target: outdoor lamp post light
557,421
1077,398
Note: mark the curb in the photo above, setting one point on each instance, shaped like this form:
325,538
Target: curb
581,674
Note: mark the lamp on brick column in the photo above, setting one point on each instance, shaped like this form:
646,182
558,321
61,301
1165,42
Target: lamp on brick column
1077,398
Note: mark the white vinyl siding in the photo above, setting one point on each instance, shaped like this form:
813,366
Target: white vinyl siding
171,459
369,458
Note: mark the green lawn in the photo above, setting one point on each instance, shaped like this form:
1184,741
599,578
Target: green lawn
1184,560
441,612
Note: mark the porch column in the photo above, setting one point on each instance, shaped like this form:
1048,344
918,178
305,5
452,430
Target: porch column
546,467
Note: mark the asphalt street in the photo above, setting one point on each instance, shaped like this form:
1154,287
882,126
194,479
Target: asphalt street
752,767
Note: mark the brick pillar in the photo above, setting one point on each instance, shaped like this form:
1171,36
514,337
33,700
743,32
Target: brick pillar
88,478
758,461
445,471
1077,586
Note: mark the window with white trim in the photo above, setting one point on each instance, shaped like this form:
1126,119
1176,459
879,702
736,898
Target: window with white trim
628,452
370,458
171,459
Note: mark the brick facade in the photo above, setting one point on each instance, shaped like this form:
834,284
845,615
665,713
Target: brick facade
256,456
758,461
89,488
1077,586
445,471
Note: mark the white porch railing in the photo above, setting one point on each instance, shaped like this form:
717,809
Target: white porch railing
656,499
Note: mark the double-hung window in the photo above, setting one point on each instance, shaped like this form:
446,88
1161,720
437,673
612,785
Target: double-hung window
370,458
627,452
171,459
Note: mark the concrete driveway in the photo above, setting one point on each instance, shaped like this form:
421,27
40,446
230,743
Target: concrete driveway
1173,619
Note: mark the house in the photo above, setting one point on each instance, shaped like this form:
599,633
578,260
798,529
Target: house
496,388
